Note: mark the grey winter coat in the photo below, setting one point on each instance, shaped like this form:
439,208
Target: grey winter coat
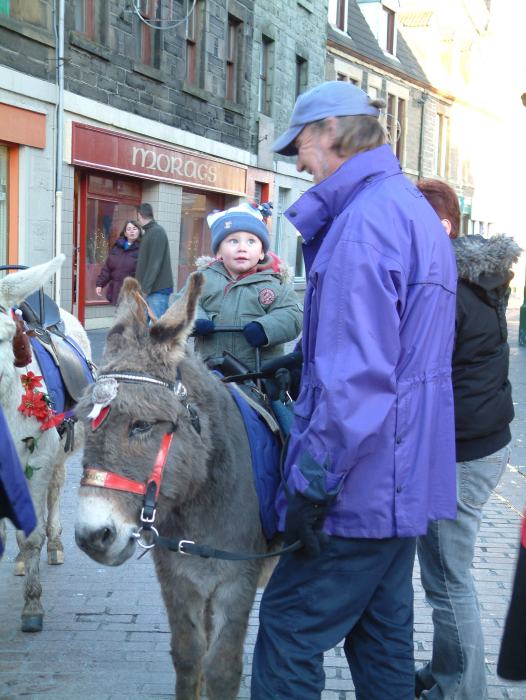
266,296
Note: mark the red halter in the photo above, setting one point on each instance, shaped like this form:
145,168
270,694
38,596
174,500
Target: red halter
149,488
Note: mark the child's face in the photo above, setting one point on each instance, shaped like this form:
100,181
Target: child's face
240,252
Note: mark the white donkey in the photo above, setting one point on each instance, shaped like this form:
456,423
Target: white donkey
45,453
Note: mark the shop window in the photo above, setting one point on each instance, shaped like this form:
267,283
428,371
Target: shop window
149,36
110,203
266,64
194,43
3,205
233,57
38,13
195,237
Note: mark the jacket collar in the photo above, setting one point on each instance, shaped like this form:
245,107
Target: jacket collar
315,210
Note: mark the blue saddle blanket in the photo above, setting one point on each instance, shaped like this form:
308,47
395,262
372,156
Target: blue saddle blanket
56,389
265,450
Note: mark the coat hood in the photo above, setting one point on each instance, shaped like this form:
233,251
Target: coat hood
486,261
270,263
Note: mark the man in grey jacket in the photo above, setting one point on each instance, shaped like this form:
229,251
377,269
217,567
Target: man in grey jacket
154,270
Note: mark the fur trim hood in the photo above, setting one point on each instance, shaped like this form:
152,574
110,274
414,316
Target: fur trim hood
491,258
270,263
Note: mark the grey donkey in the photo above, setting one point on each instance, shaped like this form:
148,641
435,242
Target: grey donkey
206,494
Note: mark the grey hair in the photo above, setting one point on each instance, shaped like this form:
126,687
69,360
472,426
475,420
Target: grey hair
357,133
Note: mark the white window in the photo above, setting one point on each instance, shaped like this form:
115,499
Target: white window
441,163
338,13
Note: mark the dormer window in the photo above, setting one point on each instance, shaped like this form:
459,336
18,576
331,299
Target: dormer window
338,13
381,18
389,34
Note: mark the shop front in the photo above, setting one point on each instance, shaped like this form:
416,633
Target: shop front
114,172
18,127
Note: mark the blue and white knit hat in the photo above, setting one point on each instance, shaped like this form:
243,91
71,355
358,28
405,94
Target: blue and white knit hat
243,217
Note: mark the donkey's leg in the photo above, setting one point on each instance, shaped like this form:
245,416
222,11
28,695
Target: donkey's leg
55,548
30,547
230,607
185,607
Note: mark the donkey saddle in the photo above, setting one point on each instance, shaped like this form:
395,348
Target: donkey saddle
59,357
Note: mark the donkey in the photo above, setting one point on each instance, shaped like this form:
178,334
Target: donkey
162,390
40,451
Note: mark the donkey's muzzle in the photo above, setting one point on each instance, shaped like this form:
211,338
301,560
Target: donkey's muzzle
95,541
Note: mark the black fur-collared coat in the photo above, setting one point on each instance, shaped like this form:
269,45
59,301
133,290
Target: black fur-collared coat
482,390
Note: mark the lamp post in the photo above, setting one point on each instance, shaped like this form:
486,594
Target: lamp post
522,319
522,316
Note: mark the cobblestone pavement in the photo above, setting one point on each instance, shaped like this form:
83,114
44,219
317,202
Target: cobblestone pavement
105,632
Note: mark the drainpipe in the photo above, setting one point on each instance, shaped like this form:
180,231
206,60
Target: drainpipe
422,102
59,126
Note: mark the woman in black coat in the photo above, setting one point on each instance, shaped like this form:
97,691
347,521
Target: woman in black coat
121,262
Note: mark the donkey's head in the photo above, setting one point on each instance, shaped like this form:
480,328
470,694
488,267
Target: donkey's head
14,288
146,406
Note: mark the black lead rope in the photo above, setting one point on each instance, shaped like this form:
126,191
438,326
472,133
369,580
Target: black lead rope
206,552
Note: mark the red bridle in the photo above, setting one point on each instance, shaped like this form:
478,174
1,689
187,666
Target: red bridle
93,476
108,480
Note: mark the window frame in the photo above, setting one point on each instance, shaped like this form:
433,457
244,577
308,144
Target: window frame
338,14
233,47
265,75
302,74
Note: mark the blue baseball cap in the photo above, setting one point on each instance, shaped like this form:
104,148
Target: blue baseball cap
334,98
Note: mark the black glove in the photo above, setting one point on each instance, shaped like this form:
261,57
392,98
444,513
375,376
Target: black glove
203,326
303,522
254,334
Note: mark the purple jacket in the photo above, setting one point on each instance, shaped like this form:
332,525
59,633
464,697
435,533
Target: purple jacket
120,263
15,499
374,425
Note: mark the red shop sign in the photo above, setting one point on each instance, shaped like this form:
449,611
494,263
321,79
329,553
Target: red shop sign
106,150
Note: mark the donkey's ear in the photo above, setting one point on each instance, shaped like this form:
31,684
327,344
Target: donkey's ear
15,287
171,331
130,321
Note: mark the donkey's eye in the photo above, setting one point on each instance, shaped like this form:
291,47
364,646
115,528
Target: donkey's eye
139,427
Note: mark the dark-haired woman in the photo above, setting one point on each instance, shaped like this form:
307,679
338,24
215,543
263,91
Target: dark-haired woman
121,262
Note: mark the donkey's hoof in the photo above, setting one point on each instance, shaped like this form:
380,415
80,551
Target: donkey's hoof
20,568
55,557
32,623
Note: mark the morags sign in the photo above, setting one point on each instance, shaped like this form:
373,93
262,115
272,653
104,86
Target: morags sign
107,150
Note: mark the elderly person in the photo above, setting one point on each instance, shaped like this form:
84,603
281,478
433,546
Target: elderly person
371,457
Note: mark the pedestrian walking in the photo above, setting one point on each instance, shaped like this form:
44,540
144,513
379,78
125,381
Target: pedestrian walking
483,413
154,269
371,453
247,286
121,262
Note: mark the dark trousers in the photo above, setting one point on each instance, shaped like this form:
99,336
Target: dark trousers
359,590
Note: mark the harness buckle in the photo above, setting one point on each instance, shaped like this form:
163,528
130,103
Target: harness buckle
180,547
145,518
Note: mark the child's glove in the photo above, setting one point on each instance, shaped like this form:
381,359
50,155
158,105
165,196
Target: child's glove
254,334
203,326
303,522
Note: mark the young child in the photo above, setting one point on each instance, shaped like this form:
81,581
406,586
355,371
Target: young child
246,286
